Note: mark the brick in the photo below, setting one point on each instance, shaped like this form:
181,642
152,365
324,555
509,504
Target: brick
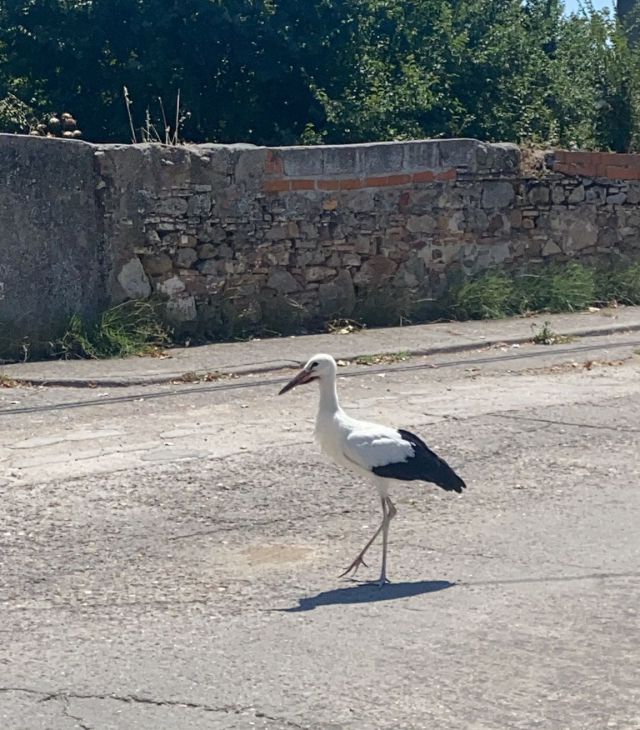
351,184
584,158
621,160
303,184
618,172
376,182
399,179
424,176
276,186
446,175
328,184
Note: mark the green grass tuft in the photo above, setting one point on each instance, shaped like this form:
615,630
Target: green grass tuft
486,297
130,328
620,284
492,295
545,335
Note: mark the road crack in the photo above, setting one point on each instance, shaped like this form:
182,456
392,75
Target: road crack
64,697
598,426
66,712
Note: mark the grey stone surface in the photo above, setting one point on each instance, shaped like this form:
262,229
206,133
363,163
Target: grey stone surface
497,195
133,280
52,255
282,281
338,297
172,562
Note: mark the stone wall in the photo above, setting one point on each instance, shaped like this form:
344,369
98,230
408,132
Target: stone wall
228,234
51,257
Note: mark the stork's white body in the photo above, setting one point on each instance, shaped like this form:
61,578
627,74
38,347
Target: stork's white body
358,445
378,452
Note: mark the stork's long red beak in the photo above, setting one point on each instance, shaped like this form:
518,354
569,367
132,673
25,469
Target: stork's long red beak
302,377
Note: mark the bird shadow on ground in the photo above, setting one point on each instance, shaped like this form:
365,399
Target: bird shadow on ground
367,593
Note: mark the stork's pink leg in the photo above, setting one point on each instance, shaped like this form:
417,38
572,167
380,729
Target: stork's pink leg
360,559
389,514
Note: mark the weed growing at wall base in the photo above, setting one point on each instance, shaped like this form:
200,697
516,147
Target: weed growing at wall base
130,328
552,288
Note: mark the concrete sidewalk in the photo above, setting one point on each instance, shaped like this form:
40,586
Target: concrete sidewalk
275,354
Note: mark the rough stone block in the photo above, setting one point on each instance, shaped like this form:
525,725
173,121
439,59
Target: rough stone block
577,195
460,153
282,281
581,234
171,287
302,161
558,194
206,251
133,280
422,156
497,194
340,160
185,258
186,240
181,309
375,271
209,267
351,259
199,205
502,158
551,248
337,297
538,195
157,264
375,159
421,223
171,207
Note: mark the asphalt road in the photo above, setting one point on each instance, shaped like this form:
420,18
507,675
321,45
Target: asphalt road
171,562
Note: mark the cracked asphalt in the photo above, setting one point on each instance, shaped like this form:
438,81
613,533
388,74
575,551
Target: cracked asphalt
169,559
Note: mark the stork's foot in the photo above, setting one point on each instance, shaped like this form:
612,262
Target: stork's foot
354,566
383,580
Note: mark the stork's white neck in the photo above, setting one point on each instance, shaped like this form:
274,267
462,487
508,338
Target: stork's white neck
328,396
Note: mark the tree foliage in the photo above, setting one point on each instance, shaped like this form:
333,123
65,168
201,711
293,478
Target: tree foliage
287,71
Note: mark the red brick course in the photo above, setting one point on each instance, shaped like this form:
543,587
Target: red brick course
608,165
277,184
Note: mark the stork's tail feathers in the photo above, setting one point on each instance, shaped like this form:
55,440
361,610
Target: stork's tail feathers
436,469
449,480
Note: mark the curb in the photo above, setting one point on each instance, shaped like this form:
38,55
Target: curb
178,378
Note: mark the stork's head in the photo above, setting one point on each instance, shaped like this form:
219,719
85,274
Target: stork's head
319,367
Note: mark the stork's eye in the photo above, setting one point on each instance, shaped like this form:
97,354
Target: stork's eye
314,365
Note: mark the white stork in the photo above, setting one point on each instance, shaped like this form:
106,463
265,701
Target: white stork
381,453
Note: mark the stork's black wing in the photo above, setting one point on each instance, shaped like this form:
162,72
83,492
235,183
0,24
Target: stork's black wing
424,465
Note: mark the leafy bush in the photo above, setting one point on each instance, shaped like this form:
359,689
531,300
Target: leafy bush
328,70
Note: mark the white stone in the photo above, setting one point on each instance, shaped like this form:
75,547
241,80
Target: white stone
182,309
172,287
133,280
